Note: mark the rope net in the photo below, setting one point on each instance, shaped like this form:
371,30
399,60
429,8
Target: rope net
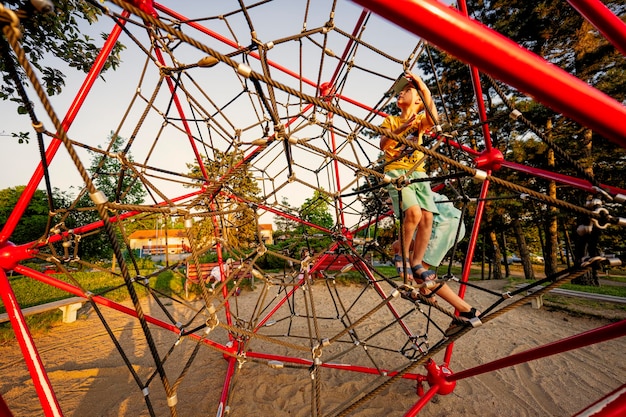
228,119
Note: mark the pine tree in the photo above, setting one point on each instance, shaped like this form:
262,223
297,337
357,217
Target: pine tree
559,34
230,191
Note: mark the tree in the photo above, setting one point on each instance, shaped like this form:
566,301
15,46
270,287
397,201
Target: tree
232,191
32,225
575,46
57,33
285,225
118,182
316,210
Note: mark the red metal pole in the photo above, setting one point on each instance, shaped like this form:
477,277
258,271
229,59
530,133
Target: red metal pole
255,55
330,92
611,405
341,220
333,365
467,266
257,150
611,26
183,119
31,187
20,269
478,91
359,24
272,210
504,59
35,366
4,408
560,178
421,403
96,225
601,334
230,372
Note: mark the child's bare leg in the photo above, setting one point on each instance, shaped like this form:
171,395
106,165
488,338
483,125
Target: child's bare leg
424,228
453,298
421,273
412,218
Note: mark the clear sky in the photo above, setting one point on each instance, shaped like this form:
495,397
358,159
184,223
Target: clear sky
164,146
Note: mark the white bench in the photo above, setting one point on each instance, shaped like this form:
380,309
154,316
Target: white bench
69,307
537,301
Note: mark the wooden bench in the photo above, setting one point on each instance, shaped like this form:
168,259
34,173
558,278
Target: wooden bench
205,271
537,301
334,262
69,307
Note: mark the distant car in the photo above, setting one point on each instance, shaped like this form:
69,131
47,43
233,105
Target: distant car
513,259
536,259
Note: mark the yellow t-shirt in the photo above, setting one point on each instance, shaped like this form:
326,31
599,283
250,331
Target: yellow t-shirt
394,149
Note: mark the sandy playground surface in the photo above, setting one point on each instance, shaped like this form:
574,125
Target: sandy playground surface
90,378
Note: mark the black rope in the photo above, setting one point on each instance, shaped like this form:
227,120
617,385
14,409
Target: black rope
12,70
545,138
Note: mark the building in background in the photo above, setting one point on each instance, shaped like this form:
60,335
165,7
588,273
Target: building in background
159,242
267,233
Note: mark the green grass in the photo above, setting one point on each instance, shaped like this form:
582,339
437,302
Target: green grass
613,276
615,290
618,291
30,292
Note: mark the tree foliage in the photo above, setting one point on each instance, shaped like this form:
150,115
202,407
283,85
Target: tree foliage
572,44
316,210
57,34
235,197
284,224
117,181
32,225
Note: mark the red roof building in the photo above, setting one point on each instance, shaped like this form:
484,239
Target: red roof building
158,242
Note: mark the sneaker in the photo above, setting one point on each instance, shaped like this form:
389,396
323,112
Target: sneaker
466,318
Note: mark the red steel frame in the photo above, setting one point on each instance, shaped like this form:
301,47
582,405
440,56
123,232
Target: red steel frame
443,27
485,49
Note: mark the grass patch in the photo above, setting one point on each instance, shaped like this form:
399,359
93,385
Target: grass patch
30,292
582,306
618,291
615,290
587,308
614,277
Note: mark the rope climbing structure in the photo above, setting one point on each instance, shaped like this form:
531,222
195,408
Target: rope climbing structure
226,117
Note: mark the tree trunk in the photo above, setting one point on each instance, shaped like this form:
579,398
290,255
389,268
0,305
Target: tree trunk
587,245
113,262
569,253
529,273
550,250
507,269
497,255
482,257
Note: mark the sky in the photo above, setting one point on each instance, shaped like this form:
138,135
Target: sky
118,99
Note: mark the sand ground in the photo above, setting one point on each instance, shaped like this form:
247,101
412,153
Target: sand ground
90,378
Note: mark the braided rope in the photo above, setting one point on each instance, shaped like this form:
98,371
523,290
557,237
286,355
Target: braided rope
446,342
545,138
334,109
108,229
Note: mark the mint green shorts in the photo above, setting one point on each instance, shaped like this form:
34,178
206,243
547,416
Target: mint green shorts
445,227
446,217
417,193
